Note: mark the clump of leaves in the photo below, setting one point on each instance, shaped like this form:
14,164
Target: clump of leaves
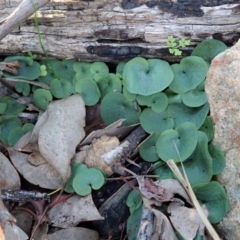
175,45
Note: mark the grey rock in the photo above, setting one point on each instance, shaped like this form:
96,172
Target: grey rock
223,92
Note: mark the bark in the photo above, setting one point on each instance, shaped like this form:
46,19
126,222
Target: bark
118,30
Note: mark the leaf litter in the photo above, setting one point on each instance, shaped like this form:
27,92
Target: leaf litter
43,158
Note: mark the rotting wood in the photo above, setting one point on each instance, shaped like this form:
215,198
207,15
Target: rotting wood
118,30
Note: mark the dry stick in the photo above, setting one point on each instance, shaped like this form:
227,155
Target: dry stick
21,13
185,183
23,196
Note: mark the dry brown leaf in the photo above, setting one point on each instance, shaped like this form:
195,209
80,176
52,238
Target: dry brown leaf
43,175
9,178
150,190
36,159
73,211
74,233
186,220
93,156
62,132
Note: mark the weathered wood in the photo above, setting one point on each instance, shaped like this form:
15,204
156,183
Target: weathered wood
119,30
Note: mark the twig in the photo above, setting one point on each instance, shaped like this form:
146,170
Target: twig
21,13
130,177
23,196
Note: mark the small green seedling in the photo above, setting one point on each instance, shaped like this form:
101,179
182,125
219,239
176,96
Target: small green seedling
174,45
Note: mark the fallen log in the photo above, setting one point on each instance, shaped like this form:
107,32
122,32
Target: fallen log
113,31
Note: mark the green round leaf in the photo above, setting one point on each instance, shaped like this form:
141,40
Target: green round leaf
82,70
100,71
148,150
64,69
134,201
199,165
28,69
27,127
181,113
8,122
218,159
113,84
177,144
75,169
208,128
159,102
209,49
188,74
129,96
86,180
89,91
61,88
213,195
14,135
13,107
114,107
162,170
146,77
196,97
155,122
23,88
41,98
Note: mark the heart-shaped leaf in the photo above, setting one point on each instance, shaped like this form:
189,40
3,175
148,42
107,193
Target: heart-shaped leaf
199,165
155,122
100,71
148,150
181,113
188,74
75,169
64,69
86,180
209,49
120,67
134,201
146,77
61,88
213,195
41,98
177,144
115,106
23,88
82,70
89,91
